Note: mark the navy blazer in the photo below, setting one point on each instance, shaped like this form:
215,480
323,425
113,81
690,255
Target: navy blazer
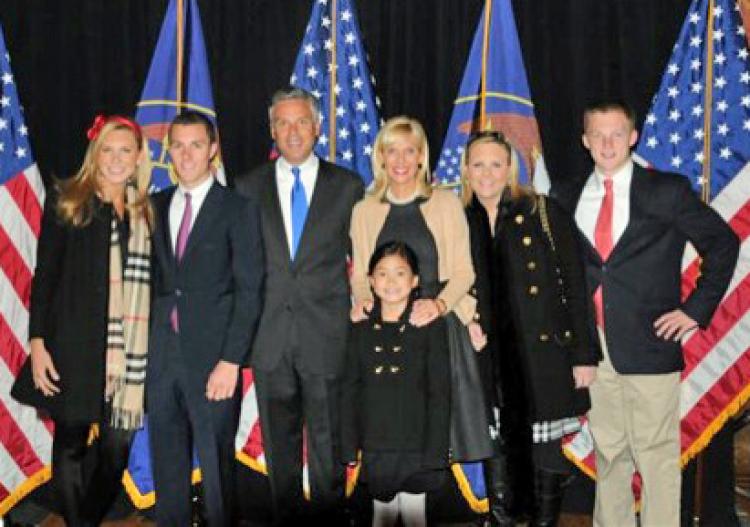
216,286
641,280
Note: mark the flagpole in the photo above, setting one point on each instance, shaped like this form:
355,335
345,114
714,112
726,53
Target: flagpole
180,52
708,104
706,196
485,54
332,90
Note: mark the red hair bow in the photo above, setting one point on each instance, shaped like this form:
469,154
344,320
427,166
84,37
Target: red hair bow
100,120
96,127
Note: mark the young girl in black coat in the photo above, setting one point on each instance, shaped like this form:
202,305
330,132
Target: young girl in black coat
396,396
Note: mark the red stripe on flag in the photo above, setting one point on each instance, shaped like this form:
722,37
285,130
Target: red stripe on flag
14,267
740,224
13,353
4,493
254,445
17,444
26,199
729,311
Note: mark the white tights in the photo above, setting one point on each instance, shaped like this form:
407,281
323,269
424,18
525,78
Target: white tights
410,506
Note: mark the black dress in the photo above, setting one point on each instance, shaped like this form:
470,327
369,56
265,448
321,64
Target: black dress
405,223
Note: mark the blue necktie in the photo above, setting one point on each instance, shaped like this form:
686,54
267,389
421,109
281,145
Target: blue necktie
299,210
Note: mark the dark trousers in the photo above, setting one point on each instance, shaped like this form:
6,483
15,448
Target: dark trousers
180,419
287,399
86,479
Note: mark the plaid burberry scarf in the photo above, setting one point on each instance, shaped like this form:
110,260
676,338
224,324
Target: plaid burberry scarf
127,328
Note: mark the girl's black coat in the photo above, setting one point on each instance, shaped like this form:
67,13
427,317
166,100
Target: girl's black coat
406,405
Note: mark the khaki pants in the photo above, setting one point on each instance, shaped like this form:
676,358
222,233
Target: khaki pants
634,420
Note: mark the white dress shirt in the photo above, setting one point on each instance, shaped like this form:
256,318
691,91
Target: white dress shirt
177,206
285,182
587,211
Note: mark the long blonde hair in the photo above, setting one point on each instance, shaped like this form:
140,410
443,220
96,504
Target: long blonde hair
517,190
75,204
400,126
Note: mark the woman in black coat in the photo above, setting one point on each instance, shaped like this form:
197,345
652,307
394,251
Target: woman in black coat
88,327
533,308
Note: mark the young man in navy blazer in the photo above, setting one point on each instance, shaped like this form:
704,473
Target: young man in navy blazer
208,270
635,224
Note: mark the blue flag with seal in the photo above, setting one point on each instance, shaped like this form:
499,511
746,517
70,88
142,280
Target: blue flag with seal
332,65
494,95
178,79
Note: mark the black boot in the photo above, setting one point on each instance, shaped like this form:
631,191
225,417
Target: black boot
547,498
498,491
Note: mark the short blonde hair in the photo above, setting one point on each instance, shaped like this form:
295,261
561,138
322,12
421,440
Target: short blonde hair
75,204
393,127
517,190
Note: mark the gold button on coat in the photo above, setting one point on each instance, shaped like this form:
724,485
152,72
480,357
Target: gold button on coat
378,370
531,265
519,219
533,290
544,337
527,240
395,369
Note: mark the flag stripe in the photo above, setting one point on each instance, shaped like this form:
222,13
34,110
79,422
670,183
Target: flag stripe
16,442
27,199
718,359
14,222
14,267
14,354
732,308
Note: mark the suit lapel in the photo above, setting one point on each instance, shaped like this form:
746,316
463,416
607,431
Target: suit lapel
630,236
165,236
206,215
569,200
272,215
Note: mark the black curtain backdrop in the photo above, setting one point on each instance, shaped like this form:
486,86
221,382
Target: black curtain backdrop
75,58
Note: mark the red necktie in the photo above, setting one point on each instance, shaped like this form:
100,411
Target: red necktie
182,238
603,242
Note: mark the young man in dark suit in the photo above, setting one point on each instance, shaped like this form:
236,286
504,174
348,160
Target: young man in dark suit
298,355
208,270
635,225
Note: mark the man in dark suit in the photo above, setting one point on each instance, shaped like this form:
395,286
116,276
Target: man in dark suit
298,354
208,270
635,225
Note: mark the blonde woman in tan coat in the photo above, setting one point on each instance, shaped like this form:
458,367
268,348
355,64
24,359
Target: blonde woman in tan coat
403,206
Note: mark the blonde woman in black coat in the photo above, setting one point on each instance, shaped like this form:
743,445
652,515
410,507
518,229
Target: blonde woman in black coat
88,327
533,306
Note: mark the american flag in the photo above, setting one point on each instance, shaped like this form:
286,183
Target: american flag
700,117
25,440
331,54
